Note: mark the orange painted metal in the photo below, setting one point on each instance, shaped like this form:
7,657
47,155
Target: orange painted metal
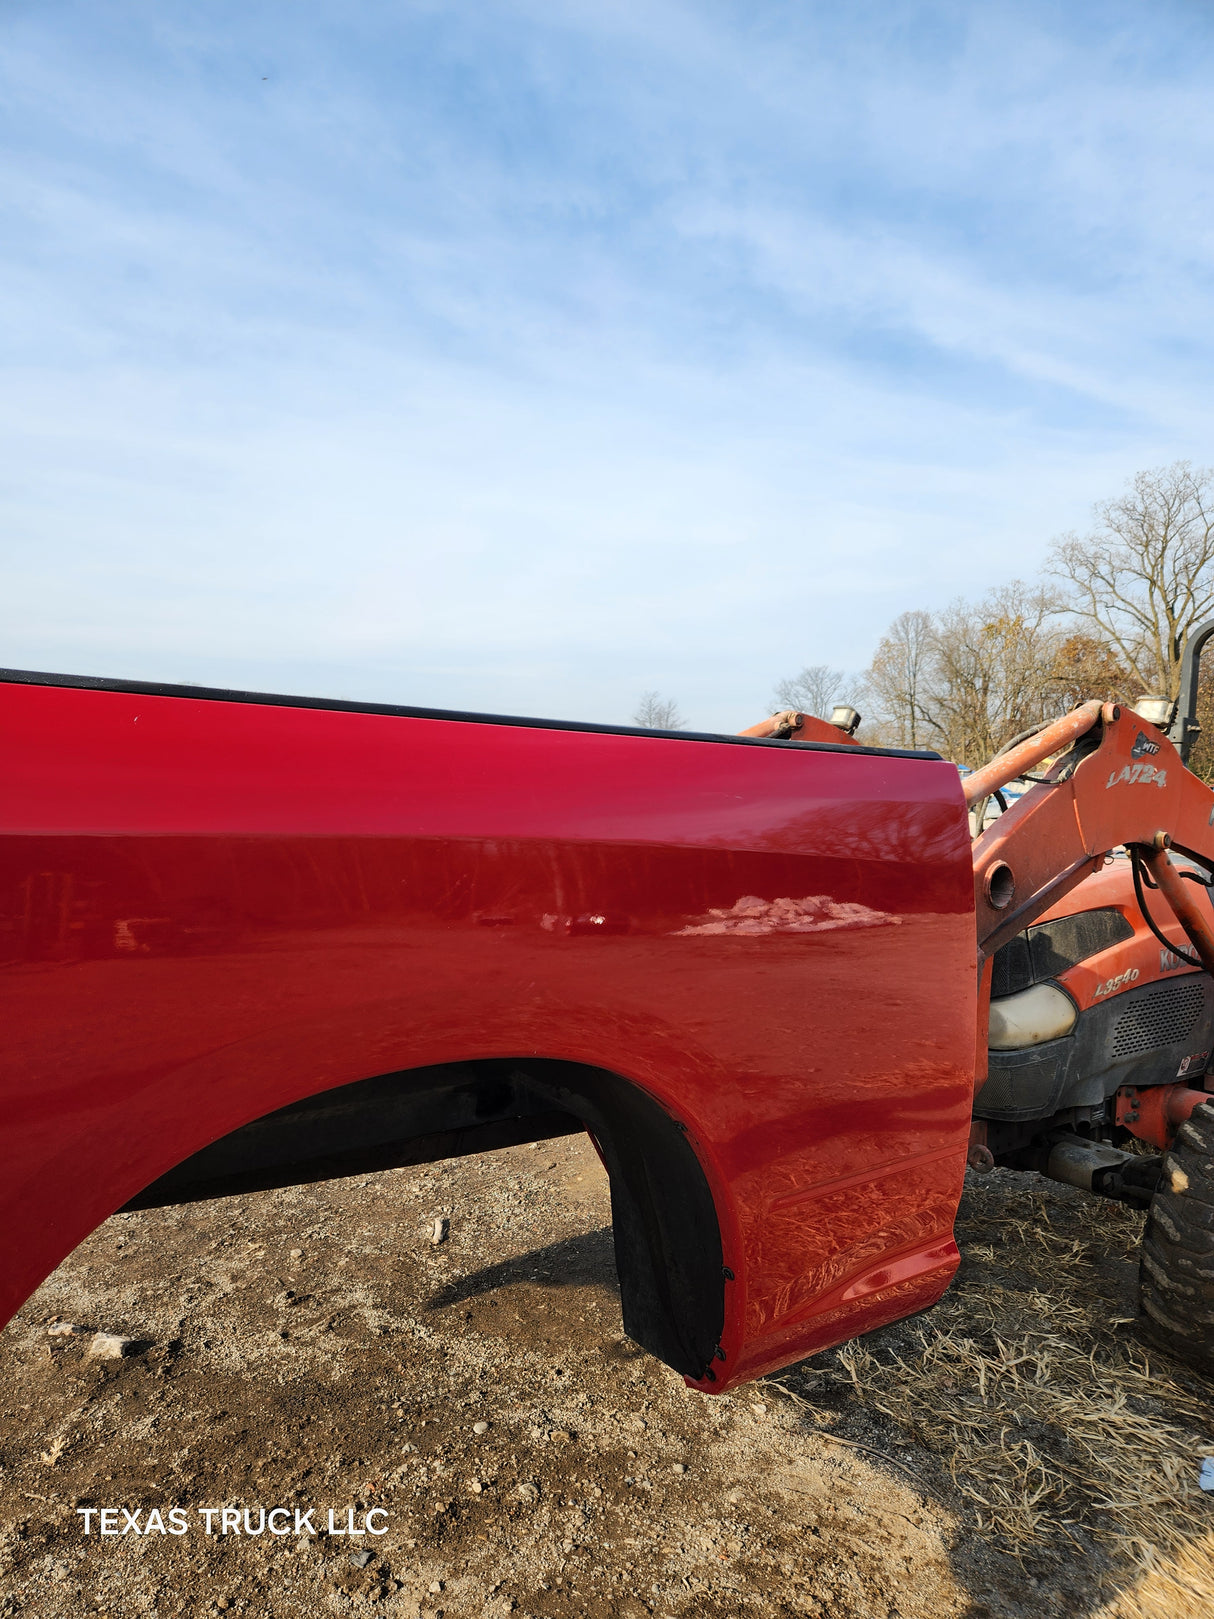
1193,918
799,727
1130,785
1125,964
1061,734
1134,962
1154,1113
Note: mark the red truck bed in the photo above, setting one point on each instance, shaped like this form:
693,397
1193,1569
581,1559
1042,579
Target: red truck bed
248,940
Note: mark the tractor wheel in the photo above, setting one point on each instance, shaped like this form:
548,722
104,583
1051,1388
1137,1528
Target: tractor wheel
1178,1247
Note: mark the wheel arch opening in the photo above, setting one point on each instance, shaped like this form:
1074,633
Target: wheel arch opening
664,1219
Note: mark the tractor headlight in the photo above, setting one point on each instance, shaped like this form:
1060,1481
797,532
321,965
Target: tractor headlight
846,718
1030,1018
1155,710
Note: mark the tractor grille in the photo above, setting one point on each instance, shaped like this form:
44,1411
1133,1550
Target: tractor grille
1158,1017
1024,1090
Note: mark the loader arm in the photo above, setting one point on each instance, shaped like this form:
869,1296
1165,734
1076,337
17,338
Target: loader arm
1120,782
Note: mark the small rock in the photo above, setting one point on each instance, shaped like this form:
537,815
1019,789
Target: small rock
435,1587
480,1427
296,1253
361,1559
63,1329
560,1436
679,1467
759,1410
439,1231
110,1346
529,1493
475,1485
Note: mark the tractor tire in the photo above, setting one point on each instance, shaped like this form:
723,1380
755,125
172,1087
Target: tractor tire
1177,1270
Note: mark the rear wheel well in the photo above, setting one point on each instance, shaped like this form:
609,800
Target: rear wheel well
667,1235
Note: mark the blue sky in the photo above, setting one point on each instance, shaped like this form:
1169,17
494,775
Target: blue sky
527,356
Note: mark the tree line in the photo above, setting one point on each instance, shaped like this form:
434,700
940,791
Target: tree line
1108,618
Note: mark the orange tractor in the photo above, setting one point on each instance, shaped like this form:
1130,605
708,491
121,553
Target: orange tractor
1095,935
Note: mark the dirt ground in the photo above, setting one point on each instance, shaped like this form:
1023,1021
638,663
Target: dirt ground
1015,1451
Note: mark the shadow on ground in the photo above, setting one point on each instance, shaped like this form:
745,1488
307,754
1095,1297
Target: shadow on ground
587,1260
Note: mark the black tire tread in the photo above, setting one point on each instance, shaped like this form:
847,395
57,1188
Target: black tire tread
1188,1175
1197,1132
1175,1258
1177,1266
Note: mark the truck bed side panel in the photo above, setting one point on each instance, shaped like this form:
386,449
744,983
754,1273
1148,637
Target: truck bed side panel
210,909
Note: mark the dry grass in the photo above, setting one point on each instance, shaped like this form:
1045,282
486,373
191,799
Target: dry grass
1029,1385
1176,1586
1038,1433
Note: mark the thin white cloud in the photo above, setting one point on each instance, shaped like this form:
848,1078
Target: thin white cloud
536,359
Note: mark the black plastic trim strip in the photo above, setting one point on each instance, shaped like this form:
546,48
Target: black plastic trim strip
211,694
431,1148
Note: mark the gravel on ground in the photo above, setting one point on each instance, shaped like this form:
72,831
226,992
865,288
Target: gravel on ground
437,1354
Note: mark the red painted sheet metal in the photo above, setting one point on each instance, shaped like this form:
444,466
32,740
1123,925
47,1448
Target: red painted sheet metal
210,909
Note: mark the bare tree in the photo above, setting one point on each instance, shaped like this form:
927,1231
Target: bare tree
657,713
1201,759
816,690
967,679
898,674
991,670
1145,576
